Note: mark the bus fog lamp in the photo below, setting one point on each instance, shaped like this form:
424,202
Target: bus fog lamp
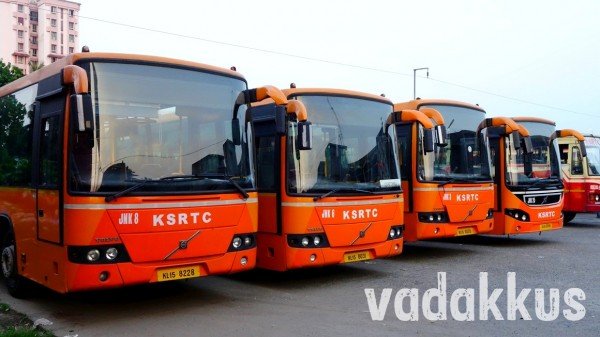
244,261
103,276
93,255
313,257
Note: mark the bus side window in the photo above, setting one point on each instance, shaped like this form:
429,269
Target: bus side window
563,149
49,151
266,163
576,161
404,145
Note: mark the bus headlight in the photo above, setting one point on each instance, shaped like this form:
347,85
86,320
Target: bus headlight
517,214
396,232
93,255
433,217
237,242
307,240
111,253
242,241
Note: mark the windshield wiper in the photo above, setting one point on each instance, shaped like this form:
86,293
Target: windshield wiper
335,190
137,186
549,181
457,180
128,190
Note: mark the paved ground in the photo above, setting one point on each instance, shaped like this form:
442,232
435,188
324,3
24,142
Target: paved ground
332,301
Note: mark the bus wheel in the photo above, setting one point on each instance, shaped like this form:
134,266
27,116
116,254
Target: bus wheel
15,283
569,216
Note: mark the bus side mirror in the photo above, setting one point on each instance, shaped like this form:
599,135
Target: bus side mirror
528,145
441,135
236,134
582,147
81,109
516,139
428,140
304,138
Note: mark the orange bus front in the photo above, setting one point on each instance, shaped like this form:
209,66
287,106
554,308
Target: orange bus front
339,201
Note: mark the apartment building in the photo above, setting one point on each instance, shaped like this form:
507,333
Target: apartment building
37,31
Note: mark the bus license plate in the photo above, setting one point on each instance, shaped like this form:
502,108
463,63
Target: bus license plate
177,273
465,231
357,256
545,226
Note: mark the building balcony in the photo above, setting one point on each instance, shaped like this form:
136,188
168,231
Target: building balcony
20,53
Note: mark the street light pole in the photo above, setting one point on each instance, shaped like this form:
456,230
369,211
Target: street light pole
415,79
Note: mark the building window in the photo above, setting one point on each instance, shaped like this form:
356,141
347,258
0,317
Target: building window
20,59
71,38
71,13
53,9
53,22
53,36
20,8
33,16
72,25
34,40
20,47
53,48
20,21
34,28
71,50
20,34
34,52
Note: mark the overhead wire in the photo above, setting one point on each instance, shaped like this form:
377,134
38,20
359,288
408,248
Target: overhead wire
321,60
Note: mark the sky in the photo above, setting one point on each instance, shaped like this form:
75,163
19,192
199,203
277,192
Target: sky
513,58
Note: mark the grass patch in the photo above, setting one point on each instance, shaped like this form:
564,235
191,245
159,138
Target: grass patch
14,324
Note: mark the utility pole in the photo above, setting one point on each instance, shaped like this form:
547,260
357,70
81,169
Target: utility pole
415,79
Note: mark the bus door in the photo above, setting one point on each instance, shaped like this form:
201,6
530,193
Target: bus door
405,143
268,123
47,167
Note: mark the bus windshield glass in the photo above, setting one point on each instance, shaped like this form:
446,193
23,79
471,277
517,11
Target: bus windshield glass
170,129
541,165
592,146
465,158
352,149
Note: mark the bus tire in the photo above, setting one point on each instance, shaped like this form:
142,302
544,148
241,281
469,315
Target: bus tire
16,284
569,216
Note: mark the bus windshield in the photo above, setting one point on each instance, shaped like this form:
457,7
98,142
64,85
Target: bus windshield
592,145
465,158
169,128
352,147
541,165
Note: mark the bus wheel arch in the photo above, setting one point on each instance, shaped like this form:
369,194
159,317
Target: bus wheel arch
568,216
15,283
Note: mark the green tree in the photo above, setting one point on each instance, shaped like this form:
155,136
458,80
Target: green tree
9,73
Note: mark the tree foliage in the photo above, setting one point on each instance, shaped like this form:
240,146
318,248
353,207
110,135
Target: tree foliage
9,73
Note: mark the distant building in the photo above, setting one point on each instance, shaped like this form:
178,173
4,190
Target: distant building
37,31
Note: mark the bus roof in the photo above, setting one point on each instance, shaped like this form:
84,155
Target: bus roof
415,104
534,120
335,92
56,67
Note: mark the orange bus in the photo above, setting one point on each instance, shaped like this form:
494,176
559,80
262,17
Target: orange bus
123,169
526,174
340,199
581,175
445,172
